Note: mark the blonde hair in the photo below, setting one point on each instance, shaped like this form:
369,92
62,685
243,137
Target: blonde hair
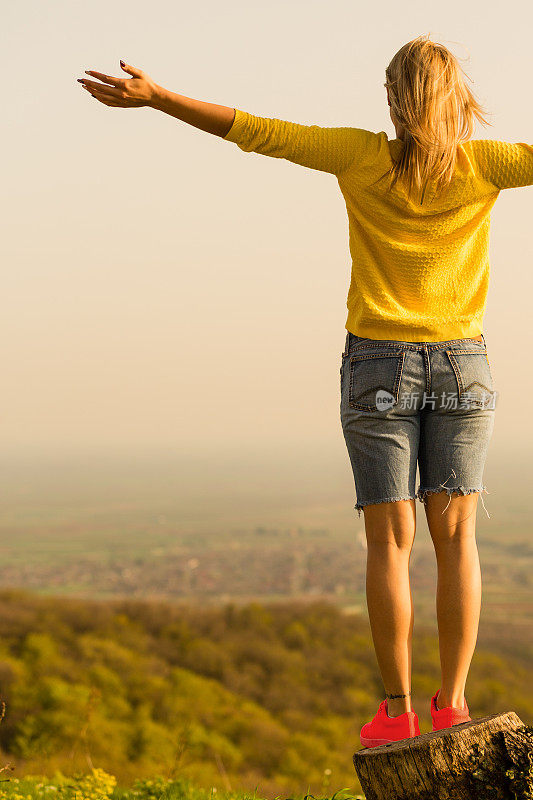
431,101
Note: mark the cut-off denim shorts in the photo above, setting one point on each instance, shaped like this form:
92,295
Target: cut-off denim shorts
409,403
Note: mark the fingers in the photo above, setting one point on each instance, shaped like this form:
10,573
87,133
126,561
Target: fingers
101,87
107,98
137,73
114,91
105,78
108,101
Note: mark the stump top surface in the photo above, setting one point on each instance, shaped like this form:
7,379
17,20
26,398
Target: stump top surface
507,719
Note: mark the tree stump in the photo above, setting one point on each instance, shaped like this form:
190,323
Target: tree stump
490,758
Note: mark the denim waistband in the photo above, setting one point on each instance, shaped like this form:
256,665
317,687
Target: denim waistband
353,341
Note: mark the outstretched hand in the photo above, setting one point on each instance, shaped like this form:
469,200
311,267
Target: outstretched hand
121,92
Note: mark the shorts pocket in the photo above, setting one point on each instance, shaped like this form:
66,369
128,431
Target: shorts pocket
473,376
375,380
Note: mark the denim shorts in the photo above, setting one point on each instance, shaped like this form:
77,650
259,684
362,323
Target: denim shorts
409,403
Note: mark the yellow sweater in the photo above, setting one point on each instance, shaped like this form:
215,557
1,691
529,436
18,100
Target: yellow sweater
419,272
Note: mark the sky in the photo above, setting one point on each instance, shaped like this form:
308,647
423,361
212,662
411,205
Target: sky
161,288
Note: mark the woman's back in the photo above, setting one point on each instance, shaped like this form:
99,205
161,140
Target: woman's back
420,271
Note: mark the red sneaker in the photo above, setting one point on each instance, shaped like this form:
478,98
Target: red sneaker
384,729
446,717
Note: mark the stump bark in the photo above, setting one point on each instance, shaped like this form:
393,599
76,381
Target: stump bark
490,758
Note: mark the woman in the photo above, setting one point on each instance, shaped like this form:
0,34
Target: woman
416,385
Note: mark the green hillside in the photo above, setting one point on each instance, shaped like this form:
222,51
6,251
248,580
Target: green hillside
257,698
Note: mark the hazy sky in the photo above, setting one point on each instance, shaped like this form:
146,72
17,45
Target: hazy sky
160,286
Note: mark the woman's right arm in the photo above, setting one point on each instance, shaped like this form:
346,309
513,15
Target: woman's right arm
140,90
208,117
332,150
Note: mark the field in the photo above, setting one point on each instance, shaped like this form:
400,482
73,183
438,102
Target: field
206,622
210,532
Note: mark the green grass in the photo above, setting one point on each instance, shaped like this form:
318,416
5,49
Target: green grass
100,785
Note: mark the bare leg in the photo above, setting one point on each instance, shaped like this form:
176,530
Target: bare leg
458,588
390,532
